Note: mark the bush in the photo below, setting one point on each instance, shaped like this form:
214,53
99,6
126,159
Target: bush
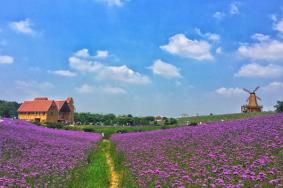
55,125
88,129
74,128
122,131
36,123
164,127
193,124
279,106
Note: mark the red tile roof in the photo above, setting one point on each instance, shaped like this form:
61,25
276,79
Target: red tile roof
69,100
59,104
42,104
36,106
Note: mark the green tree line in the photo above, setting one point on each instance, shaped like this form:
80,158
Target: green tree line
127,120
8,109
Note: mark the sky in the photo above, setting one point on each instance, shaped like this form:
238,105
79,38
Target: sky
143,57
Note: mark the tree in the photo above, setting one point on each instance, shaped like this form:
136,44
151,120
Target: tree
279,106
8,109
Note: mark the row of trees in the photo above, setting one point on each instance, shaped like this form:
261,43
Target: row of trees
8,109
111,119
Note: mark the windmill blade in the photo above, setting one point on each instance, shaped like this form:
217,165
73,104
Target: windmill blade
246,90
256,89
258,98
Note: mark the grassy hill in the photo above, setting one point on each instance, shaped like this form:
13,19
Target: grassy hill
210,118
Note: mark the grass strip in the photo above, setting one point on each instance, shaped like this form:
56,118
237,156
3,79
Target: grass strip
95,173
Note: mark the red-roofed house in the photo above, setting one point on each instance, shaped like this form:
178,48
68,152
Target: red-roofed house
44,110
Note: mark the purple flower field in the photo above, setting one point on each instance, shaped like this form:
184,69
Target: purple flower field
32,155
241,153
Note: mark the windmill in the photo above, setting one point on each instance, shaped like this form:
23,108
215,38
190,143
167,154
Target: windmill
252,105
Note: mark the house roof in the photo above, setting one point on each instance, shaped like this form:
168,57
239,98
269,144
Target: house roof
43,104
36,106
59,104
62,106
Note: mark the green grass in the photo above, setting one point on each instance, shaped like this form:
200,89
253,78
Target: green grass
126,179
209,118
109,130
94,174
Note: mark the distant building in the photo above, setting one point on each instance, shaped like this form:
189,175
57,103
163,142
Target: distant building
158,118
44,110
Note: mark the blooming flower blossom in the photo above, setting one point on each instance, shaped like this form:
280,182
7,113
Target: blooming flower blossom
240,153
33,155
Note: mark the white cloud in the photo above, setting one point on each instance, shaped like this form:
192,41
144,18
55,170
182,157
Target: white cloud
229,91
5,59
83,62
164,69
210,36
34,88
278,26
83,53
122,74
260,37
274,86
113,90
85,89
273,17
118,3
270,50
23,26
102,54
234,9
219,15
256,70
65,73
272,93
218,50
180,45
34,84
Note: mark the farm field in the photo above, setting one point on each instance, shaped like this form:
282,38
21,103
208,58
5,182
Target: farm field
109,130
239,153
33,156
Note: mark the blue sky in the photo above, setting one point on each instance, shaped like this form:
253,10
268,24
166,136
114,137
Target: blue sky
143,57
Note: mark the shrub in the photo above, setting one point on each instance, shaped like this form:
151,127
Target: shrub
122,131
74,128
88,129
55,125
164,126
279,106
193,124
36,123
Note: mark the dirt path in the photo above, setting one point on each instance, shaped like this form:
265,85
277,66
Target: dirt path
114,177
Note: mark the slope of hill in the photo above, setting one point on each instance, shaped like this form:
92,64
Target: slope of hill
238,153
212,118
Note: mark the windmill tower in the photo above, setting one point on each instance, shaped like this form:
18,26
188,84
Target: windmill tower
252,105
